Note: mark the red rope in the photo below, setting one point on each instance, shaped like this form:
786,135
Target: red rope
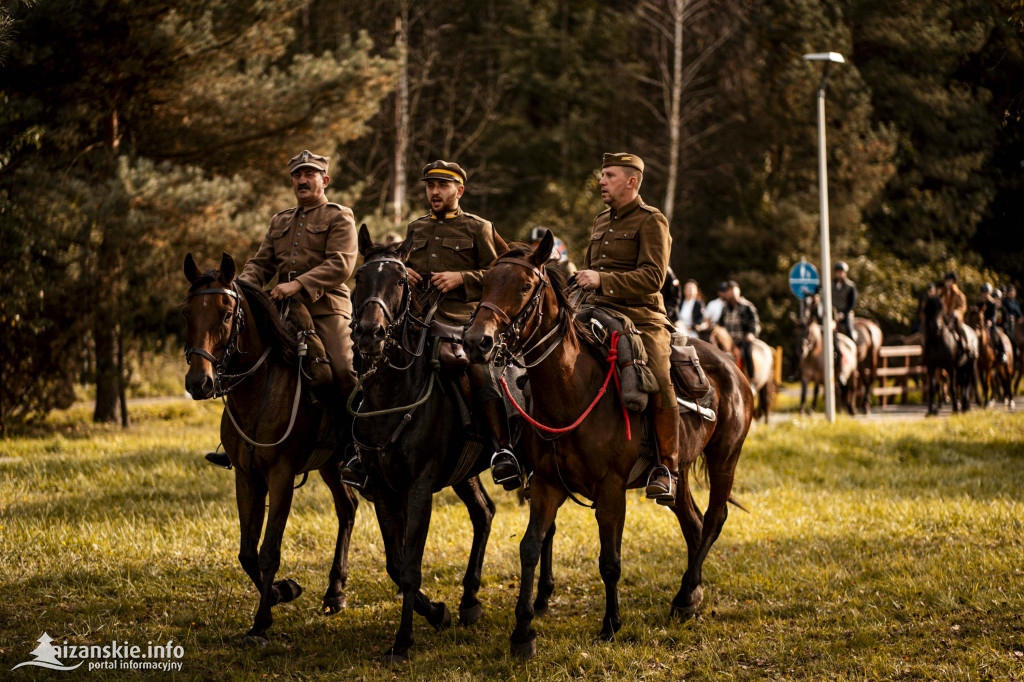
613,370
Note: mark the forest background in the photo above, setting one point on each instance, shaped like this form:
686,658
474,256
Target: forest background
134,131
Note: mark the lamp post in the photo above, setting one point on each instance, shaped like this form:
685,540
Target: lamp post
830,59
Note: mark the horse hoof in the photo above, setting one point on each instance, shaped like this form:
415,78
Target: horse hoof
287,590
255,642
333,605
471,615
540,609
683,613
445,621
392,657
524,650
606,635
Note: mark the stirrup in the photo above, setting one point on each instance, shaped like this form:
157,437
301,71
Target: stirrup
219,459
509,480
660,495
353,474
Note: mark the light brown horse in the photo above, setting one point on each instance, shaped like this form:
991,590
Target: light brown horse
762,379
811,363
1018,344
238,346
524,312
869,341
995,375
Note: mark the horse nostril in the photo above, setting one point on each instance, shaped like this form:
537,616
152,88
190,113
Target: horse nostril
207,385
378,332
486,343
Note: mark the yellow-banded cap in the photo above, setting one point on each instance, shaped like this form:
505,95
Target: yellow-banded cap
308,159
622,159
444,170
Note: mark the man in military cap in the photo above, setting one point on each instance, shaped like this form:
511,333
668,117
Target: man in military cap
626,264
450,250
311,249
844,299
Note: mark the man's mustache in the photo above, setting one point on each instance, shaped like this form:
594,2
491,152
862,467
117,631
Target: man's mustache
303,185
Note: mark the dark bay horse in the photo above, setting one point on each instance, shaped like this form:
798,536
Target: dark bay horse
238,345
942,353
762,380
994,374
412,436
522,302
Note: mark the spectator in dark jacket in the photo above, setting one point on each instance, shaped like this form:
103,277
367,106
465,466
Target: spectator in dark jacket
739,317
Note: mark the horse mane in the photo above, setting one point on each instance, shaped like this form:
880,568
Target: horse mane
283,334
932,306
571,328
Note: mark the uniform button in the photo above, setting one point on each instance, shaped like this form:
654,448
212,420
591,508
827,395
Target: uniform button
293,262
295,253
604,255
433,255
606,241
436,237
295,244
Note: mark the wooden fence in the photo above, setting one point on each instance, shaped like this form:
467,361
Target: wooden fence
896,366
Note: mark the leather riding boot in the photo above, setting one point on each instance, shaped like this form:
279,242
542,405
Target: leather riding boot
661,486
219,459
504,467
353,473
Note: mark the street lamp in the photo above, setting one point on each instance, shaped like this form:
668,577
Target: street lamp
830,59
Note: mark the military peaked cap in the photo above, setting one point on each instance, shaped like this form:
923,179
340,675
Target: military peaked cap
623,159
444,170
309,159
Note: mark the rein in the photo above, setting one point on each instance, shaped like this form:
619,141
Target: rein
613,370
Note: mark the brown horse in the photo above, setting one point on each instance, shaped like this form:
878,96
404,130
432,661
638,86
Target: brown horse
522,303
1018,344
238,346
811,363
869,341
993,372
762,379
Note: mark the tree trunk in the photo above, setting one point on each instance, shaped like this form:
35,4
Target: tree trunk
675,114
122,379
107,389
401,114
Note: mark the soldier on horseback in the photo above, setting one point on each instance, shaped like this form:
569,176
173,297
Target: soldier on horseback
844,299
991,315
311,250
626,265
450,251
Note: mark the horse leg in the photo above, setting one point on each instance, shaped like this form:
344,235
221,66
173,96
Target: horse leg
803,395
814,396
271,593
250,496
545,499
611,516
721,460
546,580
691,522
481,513
345,504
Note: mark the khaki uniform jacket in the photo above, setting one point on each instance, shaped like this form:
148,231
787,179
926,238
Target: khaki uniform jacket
630,250
459,242
319,244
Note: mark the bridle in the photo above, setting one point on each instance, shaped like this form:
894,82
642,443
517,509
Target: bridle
512,346
224,383
396,320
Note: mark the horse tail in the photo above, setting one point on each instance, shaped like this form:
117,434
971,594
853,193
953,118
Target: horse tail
732,500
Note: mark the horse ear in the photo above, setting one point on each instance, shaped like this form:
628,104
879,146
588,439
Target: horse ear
191,269
405,249
227,268
542,253
365,240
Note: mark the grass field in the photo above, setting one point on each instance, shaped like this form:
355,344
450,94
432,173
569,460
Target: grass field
872,551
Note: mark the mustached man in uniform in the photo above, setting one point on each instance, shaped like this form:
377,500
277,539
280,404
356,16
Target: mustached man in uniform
626,265
451,249
311,249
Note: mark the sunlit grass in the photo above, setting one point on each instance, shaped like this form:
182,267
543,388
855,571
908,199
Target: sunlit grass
877,551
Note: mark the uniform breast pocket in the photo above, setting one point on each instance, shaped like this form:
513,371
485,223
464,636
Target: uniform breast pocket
458,253
315,238
625,248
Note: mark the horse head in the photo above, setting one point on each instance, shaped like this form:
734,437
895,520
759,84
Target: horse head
211,310
933,316
382,293
511,300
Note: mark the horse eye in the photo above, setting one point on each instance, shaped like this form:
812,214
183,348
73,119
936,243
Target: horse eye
527,287
227,316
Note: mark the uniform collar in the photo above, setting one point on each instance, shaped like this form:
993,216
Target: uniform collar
628,208
318,204
448,215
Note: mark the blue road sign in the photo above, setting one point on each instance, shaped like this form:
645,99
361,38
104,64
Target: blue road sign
803,279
